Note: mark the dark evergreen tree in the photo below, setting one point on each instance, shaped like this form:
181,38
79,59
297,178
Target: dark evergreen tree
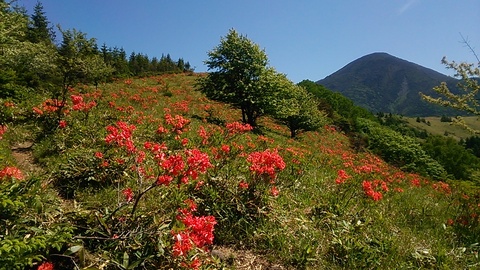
181,65
39,29
473,143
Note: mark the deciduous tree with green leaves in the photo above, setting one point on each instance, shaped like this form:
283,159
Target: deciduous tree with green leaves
80,60
298,109
25,64
238,66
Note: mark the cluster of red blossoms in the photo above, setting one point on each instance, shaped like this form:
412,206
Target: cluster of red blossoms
187,165
342,176
128,193
177,122
198,231
49,106
369,187
11,172
45,266
3,129
266,163
62,124
121,134
237,127
80,105
174,165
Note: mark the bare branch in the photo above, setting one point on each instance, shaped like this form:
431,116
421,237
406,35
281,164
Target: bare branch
467,43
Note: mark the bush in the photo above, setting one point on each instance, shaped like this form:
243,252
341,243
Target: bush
32,224
402,151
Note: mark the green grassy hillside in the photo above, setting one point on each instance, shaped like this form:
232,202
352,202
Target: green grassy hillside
149,174
434,126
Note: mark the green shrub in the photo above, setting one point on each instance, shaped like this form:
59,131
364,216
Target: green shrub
402,151
32,226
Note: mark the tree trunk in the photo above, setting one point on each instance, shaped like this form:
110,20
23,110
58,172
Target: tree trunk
251,118
244,117
293,133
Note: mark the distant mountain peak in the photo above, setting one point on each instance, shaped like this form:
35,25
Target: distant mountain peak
382,82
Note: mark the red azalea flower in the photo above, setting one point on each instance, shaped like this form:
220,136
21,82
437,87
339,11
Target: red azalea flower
243,185
12,172
274,191
128,194
236,128
3,129
164,180
266,162
62,124
45,266
342,176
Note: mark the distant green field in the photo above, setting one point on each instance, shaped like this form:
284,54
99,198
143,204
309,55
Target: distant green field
437,127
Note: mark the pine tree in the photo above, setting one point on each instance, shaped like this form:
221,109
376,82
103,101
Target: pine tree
39,29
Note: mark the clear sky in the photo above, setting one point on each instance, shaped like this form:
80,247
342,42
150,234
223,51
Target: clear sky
303,39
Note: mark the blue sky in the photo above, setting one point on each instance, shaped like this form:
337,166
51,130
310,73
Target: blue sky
303,39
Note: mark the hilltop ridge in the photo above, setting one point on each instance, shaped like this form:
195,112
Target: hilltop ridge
381,82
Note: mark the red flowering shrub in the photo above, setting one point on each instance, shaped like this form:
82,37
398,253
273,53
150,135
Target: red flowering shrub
174,165
99,155
52,105
121,134
243,185
46,266
237,128
342,176
11,172
178,123
38,111
62,124
203,134
49,106
415,182
197,162
274,191
9,104
80,105
3,129
128,194
198,231
164,180
442,187
266,163
369,189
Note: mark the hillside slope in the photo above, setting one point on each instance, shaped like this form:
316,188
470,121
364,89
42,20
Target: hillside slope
152,173
384,83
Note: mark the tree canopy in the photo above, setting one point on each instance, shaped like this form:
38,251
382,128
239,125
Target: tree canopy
298,110
240,76
31,60
237,66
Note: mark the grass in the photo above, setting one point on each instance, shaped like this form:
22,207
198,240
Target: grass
324,217
436,127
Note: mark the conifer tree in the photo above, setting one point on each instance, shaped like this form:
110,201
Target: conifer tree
39,29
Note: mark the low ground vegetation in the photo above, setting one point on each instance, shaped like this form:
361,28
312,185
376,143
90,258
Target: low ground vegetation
148,173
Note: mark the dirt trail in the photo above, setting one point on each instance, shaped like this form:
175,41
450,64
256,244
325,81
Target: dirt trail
22,152
244,259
